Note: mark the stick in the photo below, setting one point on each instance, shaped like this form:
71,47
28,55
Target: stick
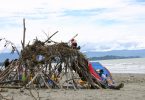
50,79
51,36
24,32
9,81
11,87
45,34
32,79
44,81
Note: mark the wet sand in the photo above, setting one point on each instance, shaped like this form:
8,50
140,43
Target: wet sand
134,89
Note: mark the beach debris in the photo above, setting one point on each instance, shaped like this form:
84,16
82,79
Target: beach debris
44,64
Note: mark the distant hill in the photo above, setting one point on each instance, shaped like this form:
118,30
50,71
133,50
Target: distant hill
3,56
107,57
125,53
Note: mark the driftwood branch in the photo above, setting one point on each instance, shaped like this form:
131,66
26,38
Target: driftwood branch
24,33
51,37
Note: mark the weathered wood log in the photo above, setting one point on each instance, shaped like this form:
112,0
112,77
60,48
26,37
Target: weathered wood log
10,81
11,87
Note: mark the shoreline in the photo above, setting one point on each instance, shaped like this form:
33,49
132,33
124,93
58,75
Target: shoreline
134,88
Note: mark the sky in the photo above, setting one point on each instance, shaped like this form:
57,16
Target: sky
101,25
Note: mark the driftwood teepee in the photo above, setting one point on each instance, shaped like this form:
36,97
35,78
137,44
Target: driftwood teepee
42,61
47,64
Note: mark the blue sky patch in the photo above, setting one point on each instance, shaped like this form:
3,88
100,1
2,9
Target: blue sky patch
107,22
82,13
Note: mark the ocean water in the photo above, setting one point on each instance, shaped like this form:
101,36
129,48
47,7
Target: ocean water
133,65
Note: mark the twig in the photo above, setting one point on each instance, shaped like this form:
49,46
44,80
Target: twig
51,37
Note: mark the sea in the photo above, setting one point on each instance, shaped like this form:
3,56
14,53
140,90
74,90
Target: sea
132,65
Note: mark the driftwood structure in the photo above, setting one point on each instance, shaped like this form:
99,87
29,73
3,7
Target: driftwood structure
48,65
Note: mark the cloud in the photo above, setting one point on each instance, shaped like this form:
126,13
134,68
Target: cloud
112,45
83,13
103,24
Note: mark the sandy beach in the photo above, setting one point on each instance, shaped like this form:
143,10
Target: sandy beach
134,89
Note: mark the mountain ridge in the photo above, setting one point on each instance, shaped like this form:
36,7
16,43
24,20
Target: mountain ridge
125,53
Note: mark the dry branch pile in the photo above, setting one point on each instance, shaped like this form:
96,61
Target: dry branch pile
47,65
